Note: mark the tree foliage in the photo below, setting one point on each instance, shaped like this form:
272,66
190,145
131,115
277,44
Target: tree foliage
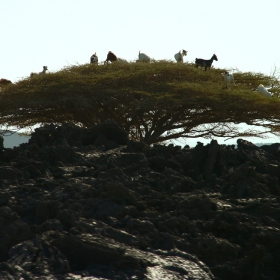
155,102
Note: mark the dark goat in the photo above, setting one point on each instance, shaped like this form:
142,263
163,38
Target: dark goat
110,57
205,63
4,82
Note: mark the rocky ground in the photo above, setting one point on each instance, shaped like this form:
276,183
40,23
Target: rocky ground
90,204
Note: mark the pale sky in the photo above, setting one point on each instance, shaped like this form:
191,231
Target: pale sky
244,34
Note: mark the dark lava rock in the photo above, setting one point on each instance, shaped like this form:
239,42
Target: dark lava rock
1,144
108,130
91,204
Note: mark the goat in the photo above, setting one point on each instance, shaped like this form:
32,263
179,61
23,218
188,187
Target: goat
142,57
228,79
179,56
110,57
122,60
264,91
94,58
4,83
205,63
45,68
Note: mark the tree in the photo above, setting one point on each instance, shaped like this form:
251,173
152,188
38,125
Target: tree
155,102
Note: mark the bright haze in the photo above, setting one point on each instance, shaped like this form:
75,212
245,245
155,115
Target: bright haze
58,33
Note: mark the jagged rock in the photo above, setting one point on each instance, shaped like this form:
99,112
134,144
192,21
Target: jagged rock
1,144
8,173
53,134
211,160
38,257
89,203
273,149
246,145
101,140
135,146
109,129
4,199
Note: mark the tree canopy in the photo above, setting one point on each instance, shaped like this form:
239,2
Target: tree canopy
154,102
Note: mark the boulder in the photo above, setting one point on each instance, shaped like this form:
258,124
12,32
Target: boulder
109,129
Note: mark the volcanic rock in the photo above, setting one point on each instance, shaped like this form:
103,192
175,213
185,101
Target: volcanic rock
92,204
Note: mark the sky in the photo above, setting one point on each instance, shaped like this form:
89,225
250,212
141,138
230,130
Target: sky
244,34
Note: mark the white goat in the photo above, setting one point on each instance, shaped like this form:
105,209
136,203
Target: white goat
45,68
228,79
142,57
179,56
122,60
264,91
94,58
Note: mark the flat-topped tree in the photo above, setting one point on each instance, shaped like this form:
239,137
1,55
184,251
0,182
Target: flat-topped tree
154,102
